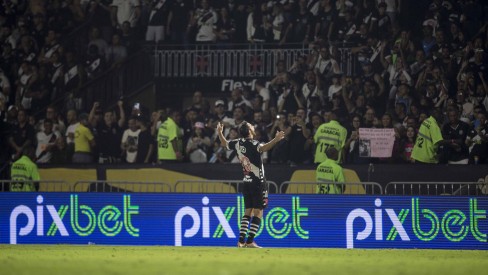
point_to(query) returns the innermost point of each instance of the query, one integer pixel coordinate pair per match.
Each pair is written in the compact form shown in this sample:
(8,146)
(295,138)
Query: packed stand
(412,59)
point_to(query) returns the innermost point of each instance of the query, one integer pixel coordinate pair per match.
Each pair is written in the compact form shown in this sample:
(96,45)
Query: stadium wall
(172,219)
(170,173)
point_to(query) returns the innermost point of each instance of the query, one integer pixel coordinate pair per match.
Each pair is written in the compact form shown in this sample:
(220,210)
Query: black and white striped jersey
(248,153)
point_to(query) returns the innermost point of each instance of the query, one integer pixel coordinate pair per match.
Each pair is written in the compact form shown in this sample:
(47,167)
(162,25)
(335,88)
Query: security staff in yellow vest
(329,172)
(24,172)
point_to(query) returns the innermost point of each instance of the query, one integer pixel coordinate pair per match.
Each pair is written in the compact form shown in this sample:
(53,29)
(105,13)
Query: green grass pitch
(97,259)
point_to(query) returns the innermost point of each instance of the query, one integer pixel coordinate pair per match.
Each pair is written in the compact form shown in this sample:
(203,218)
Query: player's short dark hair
(244,129)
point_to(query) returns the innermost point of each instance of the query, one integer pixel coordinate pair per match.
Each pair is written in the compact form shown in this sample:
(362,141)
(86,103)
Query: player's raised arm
(220,130)
(278,137)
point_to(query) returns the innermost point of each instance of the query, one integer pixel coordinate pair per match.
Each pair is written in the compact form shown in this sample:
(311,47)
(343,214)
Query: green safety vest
(329,171)
(330,134)
(425,148)
(23,173)
(166,133)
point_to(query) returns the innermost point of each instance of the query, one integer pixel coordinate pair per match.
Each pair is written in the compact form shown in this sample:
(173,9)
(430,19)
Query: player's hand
(220,127)
(280,135)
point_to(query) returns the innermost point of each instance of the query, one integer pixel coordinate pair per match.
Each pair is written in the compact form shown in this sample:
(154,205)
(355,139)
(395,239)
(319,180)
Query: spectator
(263,92)
(456,151)
(116,53)
(58,123)
(61,154)
(325,19)
(129,142)
(84,141)
(477,141)
(41,90)
(98,12)
(279,154)
(408,143)
(158,21)
(94,63)
(325,65)
(291,99)
(198,144)
(204,22)
(122,11)
(26,77)
(297,135)
(145,142)
(225,27)
(22,135)
(178,21)
(108,131)
(45,142)
(96,40)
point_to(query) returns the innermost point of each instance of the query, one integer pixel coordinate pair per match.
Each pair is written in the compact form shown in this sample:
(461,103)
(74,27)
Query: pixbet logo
(110,220)
(278,222)
(452,224)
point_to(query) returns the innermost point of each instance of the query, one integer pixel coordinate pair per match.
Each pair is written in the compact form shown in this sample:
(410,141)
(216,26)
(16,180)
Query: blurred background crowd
(414,56)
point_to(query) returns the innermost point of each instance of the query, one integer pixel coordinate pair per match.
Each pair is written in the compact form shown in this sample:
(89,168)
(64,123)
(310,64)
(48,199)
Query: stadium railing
(350,188)
(41,185)
(237,60)
(122,186)
(216,186)
(437,188)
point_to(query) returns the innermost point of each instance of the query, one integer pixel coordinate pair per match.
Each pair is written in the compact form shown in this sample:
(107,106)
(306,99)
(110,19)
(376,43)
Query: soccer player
(330,134)
(24,171)
(429,138)
(255,189)
(328,172)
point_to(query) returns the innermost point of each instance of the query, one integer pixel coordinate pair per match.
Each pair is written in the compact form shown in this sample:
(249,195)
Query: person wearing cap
(198,144)
(84,141)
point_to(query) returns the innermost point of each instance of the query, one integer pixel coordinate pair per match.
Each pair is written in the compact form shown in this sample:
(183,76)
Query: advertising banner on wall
(213,220)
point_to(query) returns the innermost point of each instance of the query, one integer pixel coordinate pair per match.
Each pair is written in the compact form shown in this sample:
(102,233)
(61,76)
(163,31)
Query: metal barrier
(121,186)
(437,188)
(40,185)
(350,188)
(216,186)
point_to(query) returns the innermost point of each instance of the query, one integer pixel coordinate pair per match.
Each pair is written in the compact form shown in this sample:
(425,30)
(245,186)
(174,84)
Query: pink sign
(376,142)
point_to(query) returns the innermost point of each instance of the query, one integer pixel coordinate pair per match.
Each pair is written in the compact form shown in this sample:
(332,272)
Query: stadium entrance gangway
(122,186)
(350,188)
(216,186)
(437,188)
(40,185)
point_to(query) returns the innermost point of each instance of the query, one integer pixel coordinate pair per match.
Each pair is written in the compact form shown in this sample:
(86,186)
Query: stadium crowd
(414,58)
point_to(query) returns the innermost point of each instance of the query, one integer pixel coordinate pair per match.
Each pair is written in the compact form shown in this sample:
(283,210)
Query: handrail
(42,185)
(121,186)
(232,186)
(435,188)
(309,187)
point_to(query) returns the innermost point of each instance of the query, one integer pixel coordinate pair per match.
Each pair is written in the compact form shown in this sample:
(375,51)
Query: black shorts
(255,194)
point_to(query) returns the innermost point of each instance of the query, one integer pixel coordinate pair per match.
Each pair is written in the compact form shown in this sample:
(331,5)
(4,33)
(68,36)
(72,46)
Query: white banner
(376,142)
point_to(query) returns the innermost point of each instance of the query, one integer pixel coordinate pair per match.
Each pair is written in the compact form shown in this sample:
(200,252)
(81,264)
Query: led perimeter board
(332,221)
